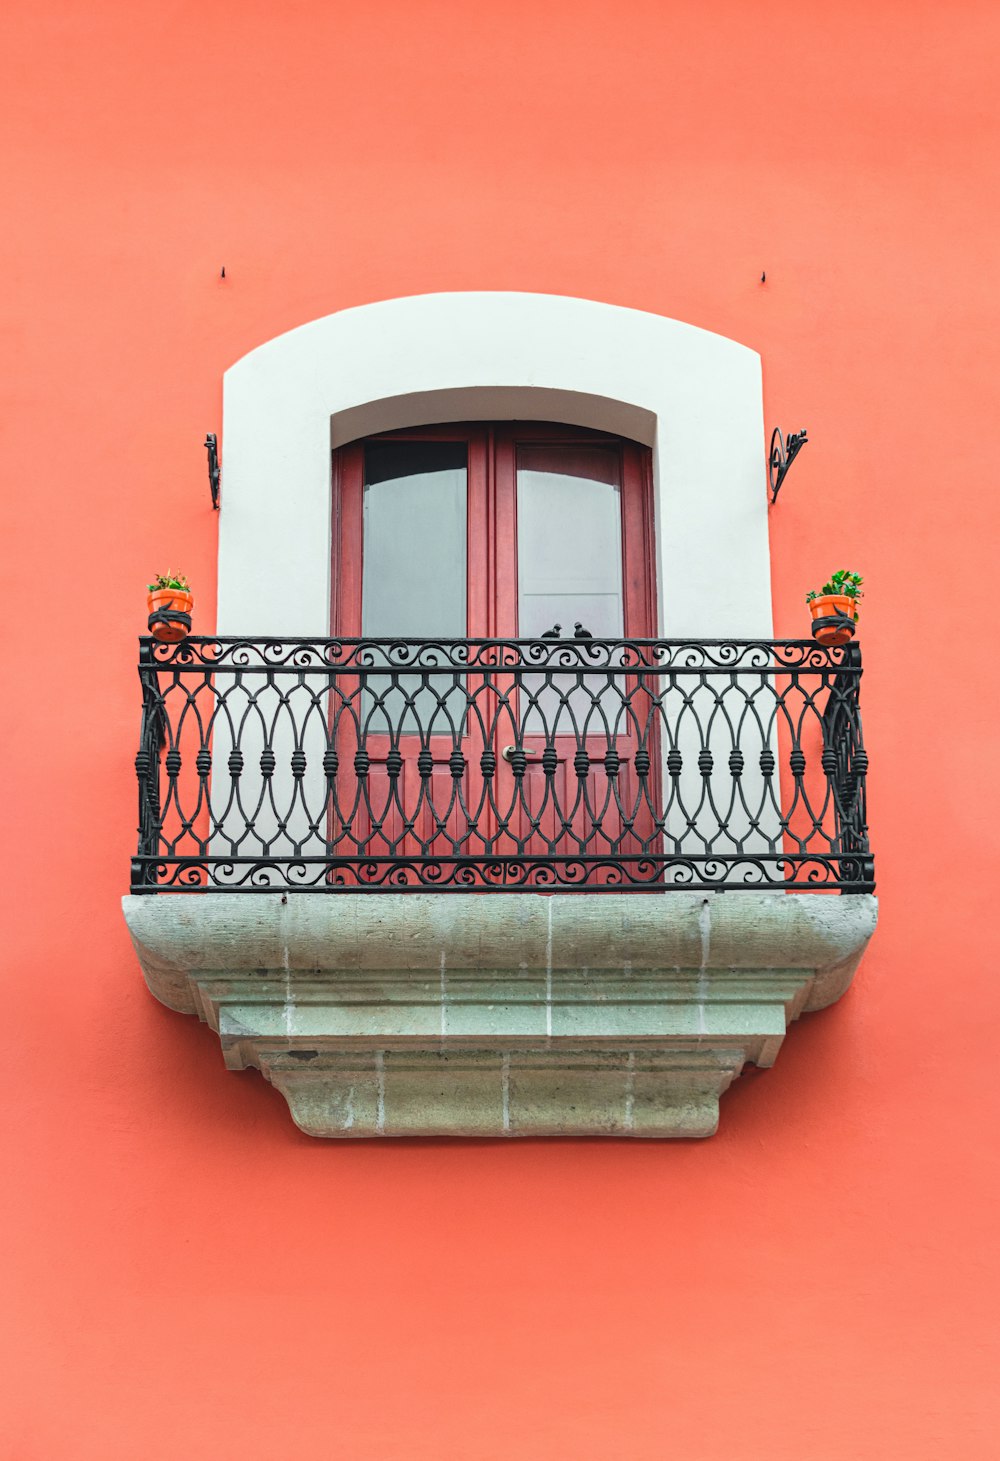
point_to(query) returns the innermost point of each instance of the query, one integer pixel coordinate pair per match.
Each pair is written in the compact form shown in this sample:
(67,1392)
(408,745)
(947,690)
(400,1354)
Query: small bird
(552,633)
(580,633)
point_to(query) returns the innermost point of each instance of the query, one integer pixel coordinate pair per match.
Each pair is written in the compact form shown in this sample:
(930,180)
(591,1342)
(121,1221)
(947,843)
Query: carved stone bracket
(424,1014)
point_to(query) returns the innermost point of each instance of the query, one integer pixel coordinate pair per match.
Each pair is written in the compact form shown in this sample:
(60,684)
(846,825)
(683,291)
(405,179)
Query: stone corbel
(514,1014)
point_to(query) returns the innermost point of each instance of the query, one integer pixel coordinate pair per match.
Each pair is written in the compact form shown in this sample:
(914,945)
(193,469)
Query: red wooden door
(496,532)
(410,536)
(577,563)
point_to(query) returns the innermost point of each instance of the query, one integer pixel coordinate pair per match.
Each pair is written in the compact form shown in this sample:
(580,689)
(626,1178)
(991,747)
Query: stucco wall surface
(188,1276)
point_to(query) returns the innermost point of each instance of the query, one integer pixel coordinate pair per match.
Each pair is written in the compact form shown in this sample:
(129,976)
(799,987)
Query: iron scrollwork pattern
(214,469)
(502,764)
(780,457)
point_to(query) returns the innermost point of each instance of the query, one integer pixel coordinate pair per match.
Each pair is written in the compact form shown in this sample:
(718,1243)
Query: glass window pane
(569,573)
(414,576)
(569,540)
(415,513)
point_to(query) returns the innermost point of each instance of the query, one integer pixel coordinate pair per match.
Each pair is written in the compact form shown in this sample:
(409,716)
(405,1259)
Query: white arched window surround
(694,397)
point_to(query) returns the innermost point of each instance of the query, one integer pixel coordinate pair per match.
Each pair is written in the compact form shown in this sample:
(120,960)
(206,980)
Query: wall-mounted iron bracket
(781,456)
(214,470)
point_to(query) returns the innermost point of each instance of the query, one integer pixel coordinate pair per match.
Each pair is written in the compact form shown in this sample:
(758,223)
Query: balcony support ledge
(514,1014)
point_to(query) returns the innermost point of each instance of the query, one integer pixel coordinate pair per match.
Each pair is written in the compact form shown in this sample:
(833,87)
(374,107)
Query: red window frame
(492,524)
(492,590)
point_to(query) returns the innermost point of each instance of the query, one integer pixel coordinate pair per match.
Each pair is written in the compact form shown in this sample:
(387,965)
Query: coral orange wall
(190,1276)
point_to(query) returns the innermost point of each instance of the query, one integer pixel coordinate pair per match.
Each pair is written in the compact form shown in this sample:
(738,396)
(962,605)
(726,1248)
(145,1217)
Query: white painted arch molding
(693,396)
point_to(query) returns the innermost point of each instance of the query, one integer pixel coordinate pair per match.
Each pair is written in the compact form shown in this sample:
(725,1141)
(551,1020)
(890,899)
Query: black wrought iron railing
(496,765)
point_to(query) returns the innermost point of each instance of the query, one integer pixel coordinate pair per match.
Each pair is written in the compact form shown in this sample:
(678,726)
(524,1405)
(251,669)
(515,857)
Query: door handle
(508,751)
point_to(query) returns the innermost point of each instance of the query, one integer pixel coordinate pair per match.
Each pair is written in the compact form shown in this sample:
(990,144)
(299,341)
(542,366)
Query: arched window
(499,530)
(493,531)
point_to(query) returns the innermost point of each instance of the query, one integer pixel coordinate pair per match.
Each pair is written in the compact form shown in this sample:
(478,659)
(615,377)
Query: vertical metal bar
(147,767)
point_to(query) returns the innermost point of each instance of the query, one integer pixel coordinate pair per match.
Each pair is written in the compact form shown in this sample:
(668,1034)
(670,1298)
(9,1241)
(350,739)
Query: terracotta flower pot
(170,614)
(831,613)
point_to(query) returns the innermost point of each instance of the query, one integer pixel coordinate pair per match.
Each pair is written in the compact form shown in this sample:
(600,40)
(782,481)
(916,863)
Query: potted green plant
(835,607)
(170,603)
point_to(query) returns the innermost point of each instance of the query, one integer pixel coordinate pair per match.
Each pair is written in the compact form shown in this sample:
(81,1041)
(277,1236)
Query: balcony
(645,834)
